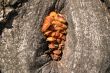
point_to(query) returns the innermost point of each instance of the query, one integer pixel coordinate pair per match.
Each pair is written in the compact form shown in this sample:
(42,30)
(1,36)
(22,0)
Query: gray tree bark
(87,46)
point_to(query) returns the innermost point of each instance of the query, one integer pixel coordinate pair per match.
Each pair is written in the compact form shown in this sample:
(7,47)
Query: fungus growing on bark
(54,29)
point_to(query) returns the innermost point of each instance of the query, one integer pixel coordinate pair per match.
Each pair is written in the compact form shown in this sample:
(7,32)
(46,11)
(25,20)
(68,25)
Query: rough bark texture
(23,46)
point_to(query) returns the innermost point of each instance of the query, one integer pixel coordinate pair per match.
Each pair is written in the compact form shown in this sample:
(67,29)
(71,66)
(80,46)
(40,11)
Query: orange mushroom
(53,14)
(47,23)
(47,33)
(57,23)
(60,18)
(50,39)
(53,34)
(64,32)
(58,28)
(60,36)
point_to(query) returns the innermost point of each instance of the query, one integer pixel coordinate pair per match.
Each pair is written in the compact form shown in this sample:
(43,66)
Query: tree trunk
(23,46)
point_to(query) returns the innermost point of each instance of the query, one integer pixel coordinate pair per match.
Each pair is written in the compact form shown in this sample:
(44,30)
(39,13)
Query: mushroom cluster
(54,28)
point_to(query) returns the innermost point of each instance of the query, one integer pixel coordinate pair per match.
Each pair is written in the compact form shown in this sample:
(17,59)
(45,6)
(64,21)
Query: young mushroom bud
(55,57)
(52,45)
(57,52)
